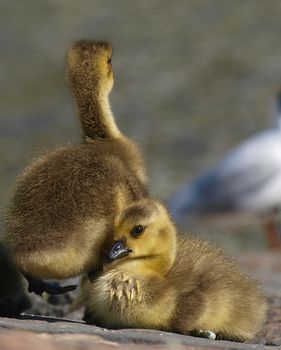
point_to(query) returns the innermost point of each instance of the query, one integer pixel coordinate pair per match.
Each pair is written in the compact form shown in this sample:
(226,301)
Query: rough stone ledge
(63,334)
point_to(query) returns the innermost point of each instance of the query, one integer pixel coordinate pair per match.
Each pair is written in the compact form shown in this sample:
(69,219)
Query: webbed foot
(39,286)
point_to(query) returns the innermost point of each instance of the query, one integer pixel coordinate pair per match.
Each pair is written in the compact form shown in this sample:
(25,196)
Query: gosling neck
(95,114)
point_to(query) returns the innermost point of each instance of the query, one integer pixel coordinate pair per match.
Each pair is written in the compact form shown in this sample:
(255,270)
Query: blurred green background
(193,78)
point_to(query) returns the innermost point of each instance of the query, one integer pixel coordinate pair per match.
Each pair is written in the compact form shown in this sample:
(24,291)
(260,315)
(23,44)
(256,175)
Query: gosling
(65,203)
(156,279)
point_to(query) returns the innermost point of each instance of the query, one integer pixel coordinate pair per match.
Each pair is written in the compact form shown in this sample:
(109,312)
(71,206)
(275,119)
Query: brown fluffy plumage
(167,282)
(66,202)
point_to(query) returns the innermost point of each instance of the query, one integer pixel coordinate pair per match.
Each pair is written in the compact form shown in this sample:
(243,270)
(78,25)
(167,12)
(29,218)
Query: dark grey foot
(204,334)
(39,286)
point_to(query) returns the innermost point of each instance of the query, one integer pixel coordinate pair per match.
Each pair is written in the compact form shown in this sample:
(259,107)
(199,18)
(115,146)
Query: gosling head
(89,64)
(144,239)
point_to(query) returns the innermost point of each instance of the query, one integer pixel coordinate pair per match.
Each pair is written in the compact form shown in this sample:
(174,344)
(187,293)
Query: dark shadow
(47,319)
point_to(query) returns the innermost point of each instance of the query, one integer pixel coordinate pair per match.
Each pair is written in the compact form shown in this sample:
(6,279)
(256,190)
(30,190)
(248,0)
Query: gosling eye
(109,60)
(137,230)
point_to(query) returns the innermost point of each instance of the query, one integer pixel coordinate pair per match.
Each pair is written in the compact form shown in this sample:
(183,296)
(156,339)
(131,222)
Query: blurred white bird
(243,188)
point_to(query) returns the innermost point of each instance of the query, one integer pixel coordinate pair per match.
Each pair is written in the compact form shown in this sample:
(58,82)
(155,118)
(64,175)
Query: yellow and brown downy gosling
(65,203)
(13,299)
(157,279)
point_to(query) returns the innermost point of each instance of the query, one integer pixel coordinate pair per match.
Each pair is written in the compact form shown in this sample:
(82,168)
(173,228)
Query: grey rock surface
(127,336)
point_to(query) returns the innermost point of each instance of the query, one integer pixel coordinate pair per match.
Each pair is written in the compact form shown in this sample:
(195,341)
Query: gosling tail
(91,76)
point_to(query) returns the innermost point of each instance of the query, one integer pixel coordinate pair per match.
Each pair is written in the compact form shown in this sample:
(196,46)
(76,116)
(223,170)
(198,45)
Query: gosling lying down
(157,279)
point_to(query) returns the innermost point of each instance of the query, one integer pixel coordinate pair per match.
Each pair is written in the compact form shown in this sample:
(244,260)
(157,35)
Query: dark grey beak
(118,250)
